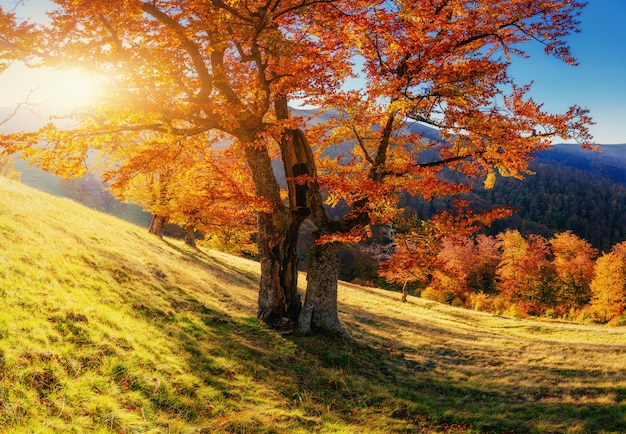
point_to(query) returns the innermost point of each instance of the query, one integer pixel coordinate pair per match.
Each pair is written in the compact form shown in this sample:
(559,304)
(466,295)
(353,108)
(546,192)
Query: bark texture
(320,304)
(278,230)
(278,291)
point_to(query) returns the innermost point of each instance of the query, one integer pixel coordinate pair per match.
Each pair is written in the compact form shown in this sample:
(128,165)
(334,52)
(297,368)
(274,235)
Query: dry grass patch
(525,375)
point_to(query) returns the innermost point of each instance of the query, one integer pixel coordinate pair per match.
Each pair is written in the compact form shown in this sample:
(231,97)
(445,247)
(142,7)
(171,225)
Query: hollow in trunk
(278,292)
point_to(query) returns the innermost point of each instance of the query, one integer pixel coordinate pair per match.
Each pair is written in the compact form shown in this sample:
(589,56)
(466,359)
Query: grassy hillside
(104,328)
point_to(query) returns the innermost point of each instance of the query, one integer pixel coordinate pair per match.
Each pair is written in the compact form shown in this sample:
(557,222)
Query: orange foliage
(511,274)
(188,68)
(190,184)
(608,287)
(442,253)
(444,65)
(573,261)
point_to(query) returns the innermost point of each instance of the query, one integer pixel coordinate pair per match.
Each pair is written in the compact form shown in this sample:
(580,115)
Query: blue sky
(598,83)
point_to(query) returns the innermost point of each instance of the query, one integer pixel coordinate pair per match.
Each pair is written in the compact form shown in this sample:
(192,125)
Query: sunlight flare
(67,89)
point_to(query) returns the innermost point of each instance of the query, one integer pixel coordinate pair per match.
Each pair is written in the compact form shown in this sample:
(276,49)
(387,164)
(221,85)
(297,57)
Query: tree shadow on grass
(356,384)
(473,380)
(317,380)
(239,376)
(375,382)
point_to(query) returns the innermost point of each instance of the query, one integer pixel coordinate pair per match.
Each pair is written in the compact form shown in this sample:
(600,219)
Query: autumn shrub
(617,321)
(457,302)
(444,289)
(549,313)
(553,312)
(481,301)
(530,307)
(588,315)
(613,316)
(515,310)
(500,304)
(438,295)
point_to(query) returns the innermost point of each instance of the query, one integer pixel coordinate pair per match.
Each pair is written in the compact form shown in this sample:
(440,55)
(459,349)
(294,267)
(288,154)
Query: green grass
(106,329)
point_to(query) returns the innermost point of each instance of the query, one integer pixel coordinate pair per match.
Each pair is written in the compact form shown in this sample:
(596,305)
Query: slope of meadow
(104,328)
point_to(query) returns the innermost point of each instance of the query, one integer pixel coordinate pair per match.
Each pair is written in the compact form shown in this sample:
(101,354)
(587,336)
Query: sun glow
(67,90)
(31,97)
(49,90)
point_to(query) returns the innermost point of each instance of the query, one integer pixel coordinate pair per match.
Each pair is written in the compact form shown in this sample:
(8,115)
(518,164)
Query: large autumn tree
(186,69)
(191,67)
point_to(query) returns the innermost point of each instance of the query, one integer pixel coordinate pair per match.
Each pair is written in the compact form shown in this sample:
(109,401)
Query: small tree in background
(608,287)
(436,252)
(187,183)
(7,167)
(409,256)
(482,279)
(573,262)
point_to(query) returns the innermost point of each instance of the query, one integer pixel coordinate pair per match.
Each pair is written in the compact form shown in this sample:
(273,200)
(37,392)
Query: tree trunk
(190,236)
(157,225)
(278,291)
(277,243)
(278,232)
(405,292)
(320,303)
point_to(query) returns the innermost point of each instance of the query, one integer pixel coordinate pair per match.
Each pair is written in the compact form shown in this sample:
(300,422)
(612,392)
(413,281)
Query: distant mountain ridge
(610,163)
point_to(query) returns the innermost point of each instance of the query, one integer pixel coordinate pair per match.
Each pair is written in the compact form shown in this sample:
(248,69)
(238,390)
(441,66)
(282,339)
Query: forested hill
(559,198)
(610,163)
(572,189)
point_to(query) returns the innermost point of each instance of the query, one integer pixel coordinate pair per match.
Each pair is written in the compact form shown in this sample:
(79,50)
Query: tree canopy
(195,70)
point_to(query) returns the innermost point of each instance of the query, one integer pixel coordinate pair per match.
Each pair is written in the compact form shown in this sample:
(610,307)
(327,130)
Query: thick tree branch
(206,79)
(383,146)
(301,5)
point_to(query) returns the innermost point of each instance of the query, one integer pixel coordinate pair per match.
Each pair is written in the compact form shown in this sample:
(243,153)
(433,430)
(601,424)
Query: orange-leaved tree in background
(608,287)
(187,182)
(442,253)
(573,262)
